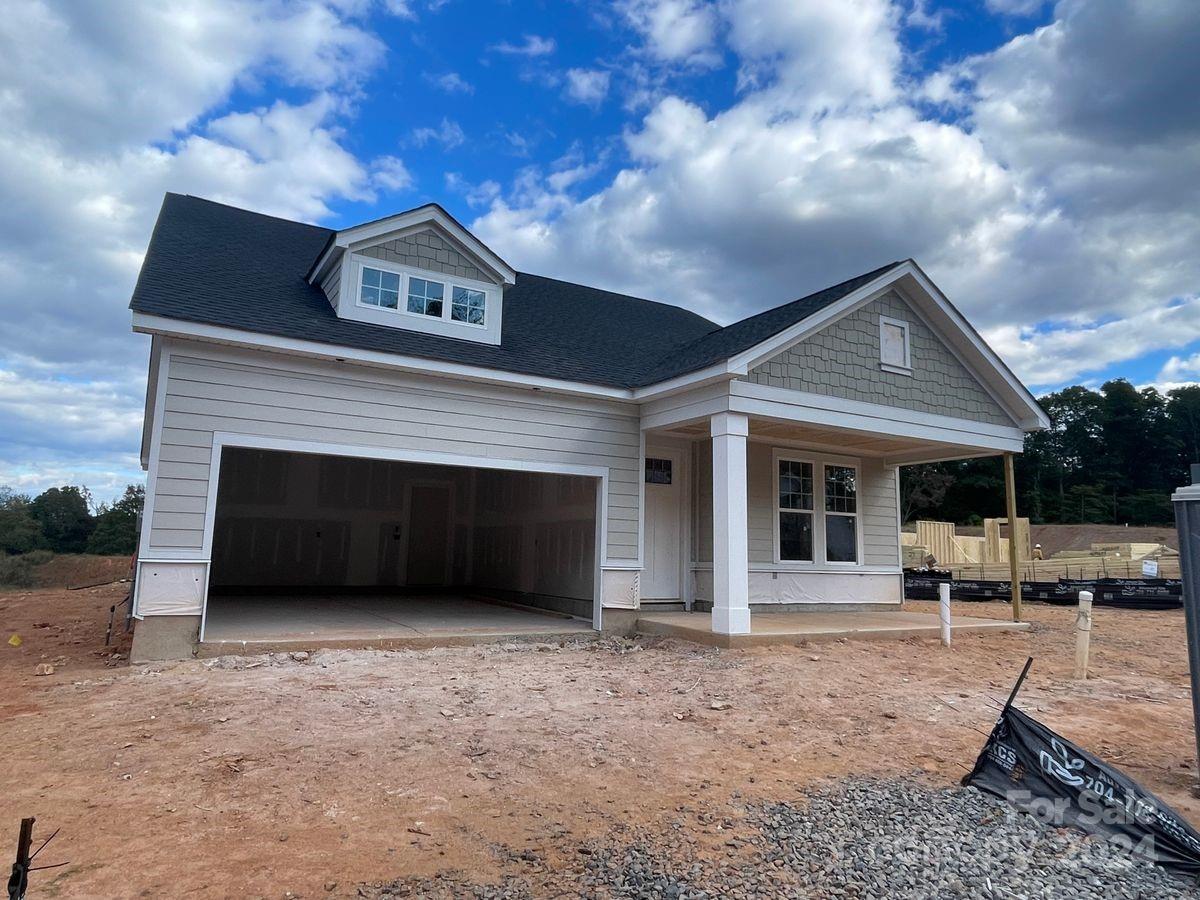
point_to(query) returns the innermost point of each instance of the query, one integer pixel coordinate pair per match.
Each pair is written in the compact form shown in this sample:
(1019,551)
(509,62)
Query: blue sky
(1040,160)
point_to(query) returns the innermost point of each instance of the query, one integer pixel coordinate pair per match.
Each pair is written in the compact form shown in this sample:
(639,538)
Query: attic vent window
(894,353)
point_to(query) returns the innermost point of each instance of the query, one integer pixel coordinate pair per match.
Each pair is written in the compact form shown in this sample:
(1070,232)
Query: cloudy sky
(1040,160)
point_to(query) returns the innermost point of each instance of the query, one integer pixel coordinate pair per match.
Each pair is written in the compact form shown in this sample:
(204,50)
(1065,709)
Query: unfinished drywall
(534,538)
(306,520)
(294,519)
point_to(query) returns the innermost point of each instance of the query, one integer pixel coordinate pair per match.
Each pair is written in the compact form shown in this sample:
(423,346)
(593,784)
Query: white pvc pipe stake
(944,611)
(1083,634)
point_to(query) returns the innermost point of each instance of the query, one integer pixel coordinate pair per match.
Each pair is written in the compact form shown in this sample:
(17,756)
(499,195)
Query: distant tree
(116,526)
(1183,421)
(923,487)
(64,518)
(19,533)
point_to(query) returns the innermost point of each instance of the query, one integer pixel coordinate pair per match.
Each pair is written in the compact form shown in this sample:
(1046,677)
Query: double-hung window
(795,510)
(817,511)
(467,305)
(841,514)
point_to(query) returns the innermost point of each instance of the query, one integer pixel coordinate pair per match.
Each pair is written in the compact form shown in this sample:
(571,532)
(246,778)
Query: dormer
(419,270)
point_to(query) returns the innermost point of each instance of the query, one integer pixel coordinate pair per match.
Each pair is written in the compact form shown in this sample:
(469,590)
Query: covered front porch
(792,514)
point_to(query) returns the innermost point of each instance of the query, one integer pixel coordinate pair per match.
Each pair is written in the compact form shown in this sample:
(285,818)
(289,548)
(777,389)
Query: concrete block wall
(842,360)
(427,250)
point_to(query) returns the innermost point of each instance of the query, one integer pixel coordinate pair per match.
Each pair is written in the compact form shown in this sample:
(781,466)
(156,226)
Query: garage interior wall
(295,520)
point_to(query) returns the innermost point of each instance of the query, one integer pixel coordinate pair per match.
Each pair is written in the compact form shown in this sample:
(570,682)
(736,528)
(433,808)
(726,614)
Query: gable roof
(731,340)
(218,265)
(426,214)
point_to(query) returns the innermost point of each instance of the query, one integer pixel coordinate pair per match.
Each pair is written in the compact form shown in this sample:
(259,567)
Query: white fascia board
(151,409)
(709,375)
(234,337)
(1034,417)
(936,455)
(681,415)
(833,412)
(420,216)
(743,362)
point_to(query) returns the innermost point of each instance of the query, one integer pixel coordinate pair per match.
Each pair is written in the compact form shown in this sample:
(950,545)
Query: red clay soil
(77,570)
(309,778)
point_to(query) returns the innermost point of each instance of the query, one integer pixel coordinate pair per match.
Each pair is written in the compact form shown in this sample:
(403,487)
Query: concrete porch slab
(814,627)
(257,624)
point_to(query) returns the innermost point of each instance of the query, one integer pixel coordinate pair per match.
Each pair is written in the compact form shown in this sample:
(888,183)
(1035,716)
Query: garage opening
(328,549)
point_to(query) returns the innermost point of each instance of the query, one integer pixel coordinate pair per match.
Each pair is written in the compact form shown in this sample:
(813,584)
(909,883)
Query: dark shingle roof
(220,265)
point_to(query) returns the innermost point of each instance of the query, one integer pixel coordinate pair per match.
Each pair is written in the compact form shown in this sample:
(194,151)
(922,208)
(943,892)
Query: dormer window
(416,271)
(380,288)
(425,297)
(468,306)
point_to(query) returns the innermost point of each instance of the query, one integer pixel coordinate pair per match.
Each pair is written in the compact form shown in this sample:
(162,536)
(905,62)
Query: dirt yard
(311,778)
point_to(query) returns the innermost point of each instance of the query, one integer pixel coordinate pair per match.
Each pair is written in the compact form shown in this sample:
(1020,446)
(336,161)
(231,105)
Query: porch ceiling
(839,440)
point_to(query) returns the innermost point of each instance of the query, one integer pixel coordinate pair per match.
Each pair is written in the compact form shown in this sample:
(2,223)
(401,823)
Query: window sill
(896,370)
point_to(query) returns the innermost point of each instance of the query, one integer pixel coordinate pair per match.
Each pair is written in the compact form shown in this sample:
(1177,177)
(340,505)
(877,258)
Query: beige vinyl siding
(877,506)
(210,390)
(880,525)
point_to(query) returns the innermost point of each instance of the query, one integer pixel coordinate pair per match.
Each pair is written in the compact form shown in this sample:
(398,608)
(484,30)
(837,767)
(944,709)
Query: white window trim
(896,369)
(448,285)
(780,510)
(818,462)
(444,325)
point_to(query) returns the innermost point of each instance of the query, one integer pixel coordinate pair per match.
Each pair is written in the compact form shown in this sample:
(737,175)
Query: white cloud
(450,82)
(475,194)
(449,134)
(390,173)
(530,45)
(587,86)
(1060,216)
(923,15)
(1016,7)
(105,109)
(675,31)
(1180,370)
(818,55)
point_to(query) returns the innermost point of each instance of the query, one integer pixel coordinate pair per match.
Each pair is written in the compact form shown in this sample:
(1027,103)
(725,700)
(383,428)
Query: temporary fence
(1124,593)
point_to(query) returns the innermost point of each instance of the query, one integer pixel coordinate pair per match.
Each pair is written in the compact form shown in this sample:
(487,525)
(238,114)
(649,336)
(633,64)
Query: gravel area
(860,839)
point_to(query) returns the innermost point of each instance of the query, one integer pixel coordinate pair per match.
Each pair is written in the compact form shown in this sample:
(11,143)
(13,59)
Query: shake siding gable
(211,390)
(842,360)
(428,249)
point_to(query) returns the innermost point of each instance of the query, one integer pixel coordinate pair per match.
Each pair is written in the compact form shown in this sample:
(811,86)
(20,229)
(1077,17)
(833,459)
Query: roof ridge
(252,212)
(592,287)
(653,375)
(833,287)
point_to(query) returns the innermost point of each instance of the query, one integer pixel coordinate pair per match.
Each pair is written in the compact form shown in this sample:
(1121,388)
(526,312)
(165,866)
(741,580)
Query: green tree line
(62,520)
(1110,456)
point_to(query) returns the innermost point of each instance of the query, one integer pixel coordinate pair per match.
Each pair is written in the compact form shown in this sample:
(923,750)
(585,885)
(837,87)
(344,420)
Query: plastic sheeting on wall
(170,588)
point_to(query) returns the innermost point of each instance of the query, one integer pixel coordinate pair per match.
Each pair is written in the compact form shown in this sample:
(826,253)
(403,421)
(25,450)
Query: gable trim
(907,278)
(422,215)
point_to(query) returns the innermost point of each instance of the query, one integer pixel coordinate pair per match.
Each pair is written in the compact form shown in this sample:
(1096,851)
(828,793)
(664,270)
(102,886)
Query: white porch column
(731,555)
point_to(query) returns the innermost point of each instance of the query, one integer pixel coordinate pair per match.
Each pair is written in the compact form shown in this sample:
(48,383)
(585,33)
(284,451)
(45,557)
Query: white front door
(661,577)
